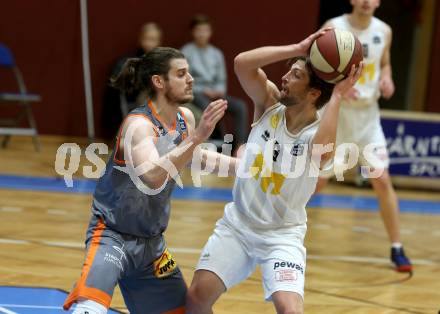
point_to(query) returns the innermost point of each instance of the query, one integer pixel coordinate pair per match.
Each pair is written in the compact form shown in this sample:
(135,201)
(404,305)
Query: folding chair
(21,98)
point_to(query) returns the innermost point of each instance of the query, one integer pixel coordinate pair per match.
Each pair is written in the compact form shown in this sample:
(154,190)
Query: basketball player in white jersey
(266,222)
(359,119)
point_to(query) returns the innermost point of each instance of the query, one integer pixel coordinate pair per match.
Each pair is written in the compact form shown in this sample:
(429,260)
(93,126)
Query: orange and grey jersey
(122,200)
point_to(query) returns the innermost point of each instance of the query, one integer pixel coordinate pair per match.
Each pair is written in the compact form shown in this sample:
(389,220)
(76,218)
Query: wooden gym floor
(348,271)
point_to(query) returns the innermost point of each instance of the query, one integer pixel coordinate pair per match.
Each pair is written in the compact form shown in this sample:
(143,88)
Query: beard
(289,101)
(172,97)
(293,98)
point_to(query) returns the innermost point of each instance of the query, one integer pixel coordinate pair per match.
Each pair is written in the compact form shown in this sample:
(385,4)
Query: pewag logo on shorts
(287,271)
(288,265)
(164,265)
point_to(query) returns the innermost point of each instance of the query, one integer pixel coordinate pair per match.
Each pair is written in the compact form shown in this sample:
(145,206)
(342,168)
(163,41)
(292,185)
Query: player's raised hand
(304,46)
(212,114)
(344,86)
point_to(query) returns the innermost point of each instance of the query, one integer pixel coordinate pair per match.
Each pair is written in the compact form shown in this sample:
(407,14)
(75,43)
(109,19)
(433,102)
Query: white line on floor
(365,259)
(64,244)
(11,209)
(436,233)
(12,241)
(361,229)
(196,251)
(47,307)
(185,250)
(320,226)
(6,311)
(57,212)
(406,231)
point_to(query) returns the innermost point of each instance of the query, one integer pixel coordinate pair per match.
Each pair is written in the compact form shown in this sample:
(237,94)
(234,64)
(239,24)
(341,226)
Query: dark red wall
(433,98)
(45,38)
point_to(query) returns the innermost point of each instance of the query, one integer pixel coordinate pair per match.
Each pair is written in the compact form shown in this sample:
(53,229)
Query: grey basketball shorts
(147,274)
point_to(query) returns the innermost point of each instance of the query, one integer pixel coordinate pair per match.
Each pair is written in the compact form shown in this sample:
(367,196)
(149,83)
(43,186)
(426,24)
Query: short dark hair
(315,82)
(199,19)
(136,73)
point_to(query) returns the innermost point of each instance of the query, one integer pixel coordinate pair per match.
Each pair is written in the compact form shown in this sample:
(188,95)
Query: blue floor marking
(215,194)
(206,194)
(371,204)
(46,184)
(27,300)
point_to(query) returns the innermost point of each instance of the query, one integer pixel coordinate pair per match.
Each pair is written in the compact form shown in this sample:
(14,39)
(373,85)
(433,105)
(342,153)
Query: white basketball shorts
(233,254)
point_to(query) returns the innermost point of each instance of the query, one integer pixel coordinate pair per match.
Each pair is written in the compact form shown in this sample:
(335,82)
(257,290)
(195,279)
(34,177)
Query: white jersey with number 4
(373,40)
(276,176)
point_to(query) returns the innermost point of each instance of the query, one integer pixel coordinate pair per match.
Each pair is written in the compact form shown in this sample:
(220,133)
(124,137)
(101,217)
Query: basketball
(333,54)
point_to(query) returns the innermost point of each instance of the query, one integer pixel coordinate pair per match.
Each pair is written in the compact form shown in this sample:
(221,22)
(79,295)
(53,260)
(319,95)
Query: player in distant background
(266,222)
(359,119)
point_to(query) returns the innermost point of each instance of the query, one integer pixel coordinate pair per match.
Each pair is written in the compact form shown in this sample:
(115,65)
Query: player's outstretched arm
(155,170)
(210,159)
(326,133)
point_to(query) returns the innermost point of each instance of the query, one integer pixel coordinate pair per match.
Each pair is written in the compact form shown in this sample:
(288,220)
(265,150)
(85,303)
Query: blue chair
(21,98)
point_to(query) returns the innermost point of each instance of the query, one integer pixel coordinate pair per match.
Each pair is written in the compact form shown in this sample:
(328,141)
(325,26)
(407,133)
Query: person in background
(207,66)
(359,117)
(117,103)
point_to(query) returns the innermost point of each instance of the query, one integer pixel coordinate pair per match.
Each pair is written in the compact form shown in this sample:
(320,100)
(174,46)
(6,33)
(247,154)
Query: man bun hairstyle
(136,73)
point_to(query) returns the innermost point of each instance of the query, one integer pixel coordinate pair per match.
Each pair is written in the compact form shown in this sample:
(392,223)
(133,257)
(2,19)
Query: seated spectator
(207,66)
(117,105)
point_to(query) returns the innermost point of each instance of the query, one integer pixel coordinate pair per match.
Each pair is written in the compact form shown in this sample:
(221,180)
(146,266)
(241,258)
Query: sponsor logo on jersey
(276,151)
(376,40)
(161,130)
(274,119)
(164,265)
(298,148)
(265,135)
(182,123)
(365,50)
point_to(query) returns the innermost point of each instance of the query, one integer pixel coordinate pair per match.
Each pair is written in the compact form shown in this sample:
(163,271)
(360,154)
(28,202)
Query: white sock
(89,307)
(396,245)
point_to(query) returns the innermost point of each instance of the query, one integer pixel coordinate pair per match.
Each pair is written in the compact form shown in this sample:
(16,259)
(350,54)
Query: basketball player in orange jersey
(359,120)
(131,204)
(266,222)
